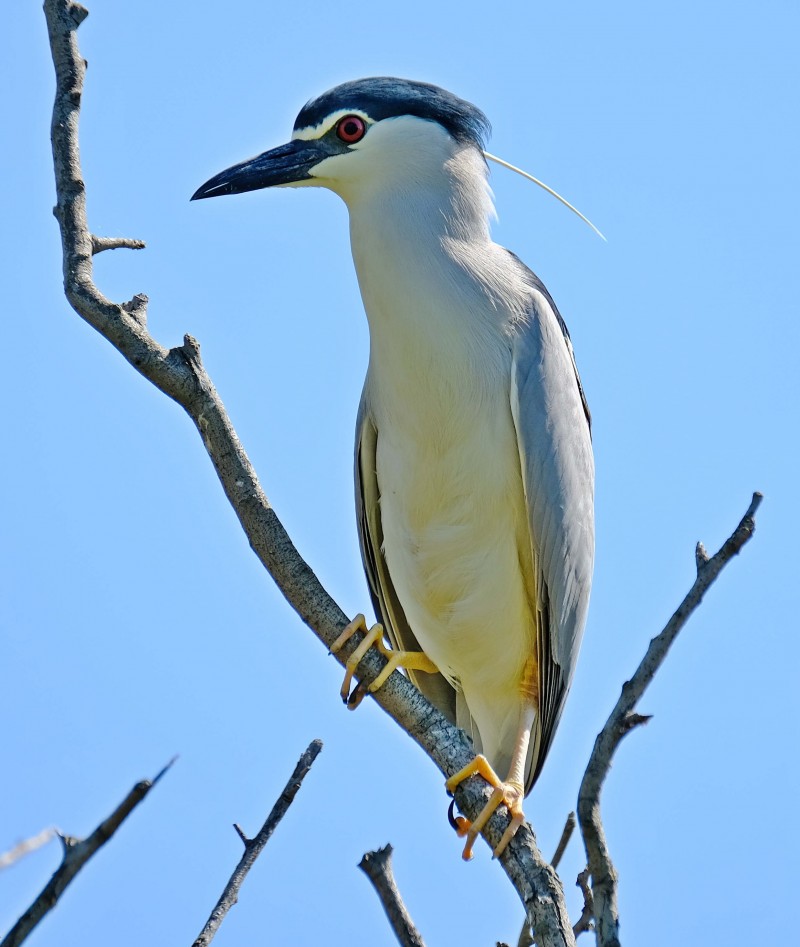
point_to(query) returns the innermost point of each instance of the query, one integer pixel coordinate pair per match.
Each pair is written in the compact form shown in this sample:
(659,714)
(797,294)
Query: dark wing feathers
(388,609)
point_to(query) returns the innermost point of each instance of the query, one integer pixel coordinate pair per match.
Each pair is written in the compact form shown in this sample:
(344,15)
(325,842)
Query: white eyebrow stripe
(312,132)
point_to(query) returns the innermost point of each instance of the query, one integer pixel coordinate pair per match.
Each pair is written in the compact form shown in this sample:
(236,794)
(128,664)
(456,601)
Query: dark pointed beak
(286,164)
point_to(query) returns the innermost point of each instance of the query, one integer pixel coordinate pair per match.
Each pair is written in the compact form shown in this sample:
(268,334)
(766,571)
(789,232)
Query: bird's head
(360,136)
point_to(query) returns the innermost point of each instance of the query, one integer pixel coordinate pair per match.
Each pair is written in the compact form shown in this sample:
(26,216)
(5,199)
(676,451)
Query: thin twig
(566,835)
(254,847)
(377,866)
(115,243)
(76,853)
(586,921)
(180,374)
(623,719)
(25,846)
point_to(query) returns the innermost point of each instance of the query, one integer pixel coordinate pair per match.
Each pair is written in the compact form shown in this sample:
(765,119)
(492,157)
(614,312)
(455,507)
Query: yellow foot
(511,793)
(413,660)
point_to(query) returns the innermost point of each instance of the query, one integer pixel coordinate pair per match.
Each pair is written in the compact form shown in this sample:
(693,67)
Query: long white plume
(530,177)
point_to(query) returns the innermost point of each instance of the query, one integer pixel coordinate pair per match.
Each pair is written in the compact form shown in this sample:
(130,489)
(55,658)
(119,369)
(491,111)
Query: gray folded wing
(553,434)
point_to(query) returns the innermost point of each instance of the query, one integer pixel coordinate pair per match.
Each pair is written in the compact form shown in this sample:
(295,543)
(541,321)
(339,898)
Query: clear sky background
(136,622)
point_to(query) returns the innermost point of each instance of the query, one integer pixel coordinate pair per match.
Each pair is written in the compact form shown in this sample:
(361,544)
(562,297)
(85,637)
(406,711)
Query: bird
(474,471)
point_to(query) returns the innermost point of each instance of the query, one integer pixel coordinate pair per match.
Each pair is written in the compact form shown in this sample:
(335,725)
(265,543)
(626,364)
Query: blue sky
(137,624)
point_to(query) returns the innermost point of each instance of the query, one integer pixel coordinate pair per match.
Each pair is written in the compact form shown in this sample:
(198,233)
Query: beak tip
(205,191)
(286,164)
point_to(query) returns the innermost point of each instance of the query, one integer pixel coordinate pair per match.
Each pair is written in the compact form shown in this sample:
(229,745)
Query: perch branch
(377,866)
(76,853)
(525,938)
(253,847)
(623,719)
(179,373)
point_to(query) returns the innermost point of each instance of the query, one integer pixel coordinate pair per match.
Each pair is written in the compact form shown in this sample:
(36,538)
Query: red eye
(351,129)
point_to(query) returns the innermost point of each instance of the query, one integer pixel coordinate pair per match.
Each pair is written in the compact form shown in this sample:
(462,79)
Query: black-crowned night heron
(474,470)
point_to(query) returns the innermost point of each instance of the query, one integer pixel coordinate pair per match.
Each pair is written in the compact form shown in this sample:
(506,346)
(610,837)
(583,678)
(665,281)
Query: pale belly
(456,542)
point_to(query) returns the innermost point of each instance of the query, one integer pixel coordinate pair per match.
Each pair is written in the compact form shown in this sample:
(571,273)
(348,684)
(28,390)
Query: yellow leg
(512,790)
(413,660)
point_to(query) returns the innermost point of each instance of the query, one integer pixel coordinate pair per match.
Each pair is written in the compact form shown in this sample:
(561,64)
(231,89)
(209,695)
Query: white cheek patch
(312,132)
(329,169)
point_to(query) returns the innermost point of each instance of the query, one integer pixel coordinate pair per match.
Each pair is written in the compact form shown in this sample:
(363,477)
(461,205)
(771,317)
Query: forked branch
(623,720)
(254,846)
(76,853)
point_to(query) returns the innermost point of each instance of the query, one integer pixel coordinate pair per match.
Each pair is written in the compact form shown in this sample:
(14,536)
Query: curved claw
(373,635)
(360,691)
(459,823)
(509,793)
(414,660)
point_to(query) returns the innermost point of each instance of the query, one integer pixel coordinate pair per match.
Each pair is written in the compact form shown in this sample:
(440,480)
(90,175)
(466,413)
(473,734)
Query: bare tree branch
(76,853)
(25,846)
(377,866)
(179,373)
(253,847)
(623,719)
